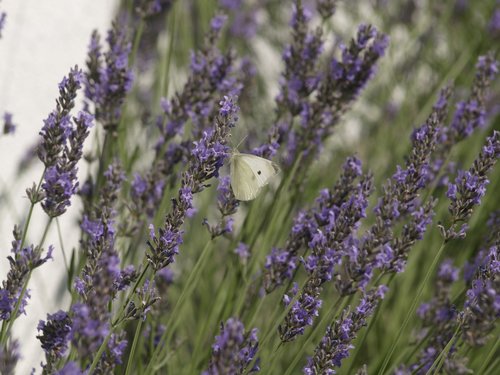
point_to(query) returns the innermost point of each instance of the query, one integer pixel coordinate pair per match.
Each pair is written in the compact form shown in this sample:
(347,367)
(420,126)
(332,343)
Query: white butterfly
(249,174)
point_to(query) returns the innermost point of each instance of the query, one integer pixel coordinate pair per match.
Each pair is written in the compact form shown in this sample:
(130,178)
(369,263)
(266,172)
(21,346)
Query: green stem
(439,361)
(129,297)
(45,231)
(175,317)
(116,322)
(488,358)
(411,311)
(30,213)
(59,235)
(7,324)
(100,352)
(133,348)
(265,227)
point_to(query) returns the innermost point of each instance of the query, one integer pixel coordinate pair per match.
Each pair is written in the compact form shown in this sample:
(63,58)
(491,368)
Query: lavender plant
(323,272)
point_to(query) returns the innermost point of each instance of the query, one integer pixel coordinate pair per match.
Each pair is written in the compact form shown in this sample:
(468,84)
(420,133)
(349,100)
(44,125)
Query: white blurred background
(40,42)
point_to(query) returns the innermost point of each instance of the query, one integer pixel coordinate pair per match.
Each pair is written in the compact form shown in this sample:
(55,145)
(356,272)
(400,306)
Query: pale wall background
(41,41)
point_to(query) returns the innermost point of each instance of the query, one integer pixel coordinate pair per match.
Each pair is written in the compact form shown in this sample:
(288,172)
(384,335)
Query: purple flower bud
(233,349)
(55,335)
(218,22)
(8,126)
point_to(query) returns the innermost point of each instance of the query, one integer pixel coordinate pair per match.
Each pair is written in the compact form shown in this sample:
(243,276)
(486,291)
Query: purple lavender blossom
(302,312)
(22,263)
(443,321)
(70,368)
(8,126)
(281,263)
(233,350)
(100,279)
(55,336)
(439,319)
(494,25)
(108,78)
(243,23)
(9,356)
(335,225)
(242,251)
(212,75)
(3,18)
(149,8)
(471,114)
(59,188)
(59,179)
(470,186)
(482,302)
(319,98)
(146,193)
(326,8)
(207,157)
(299,79)
(227,205)
(57,126)
(380,247)
(341,84)
(336,343)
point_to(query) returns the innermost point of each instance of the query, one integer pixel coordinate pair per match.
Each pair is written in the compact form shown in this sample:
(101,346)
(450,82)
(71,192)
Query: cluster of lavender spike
(207,157)
(227,205)
(282,263)
(213,74)
(22,262)
(88,322)
(444,322)
(108,78)
(335,222)
(336,343)
(470,114)
(319,99)
(470,186)
(234,350)
(381,247)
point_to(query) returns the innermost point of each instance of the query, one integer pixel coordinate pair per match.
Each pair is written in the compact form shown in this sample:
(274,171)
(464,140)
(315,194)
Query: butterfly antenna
(239,144)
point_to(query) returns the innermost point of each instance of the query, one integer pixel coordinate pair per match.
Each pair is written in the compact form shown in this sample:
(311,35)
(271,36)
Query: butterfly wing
(249,173)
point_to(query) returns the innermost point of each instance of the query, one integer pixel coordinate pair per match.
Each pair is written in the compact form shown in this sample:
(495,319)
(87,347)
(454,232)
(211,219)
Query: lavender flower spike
(109,80)
(207,157)
(281,263)
(470,186)
(55,337)
(9,356)
(60,180)
(233,350)
(336,343)
(57,126)
(339,223)
(22,261)
(471,114)
(482,303)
